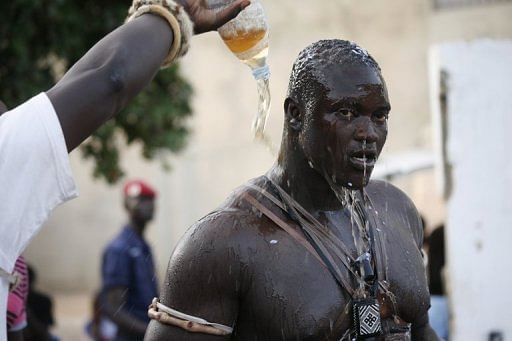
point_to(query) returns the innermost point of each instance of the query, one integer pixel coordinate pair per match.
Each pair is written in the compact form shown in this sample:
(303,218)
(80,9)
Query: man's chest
(293,294)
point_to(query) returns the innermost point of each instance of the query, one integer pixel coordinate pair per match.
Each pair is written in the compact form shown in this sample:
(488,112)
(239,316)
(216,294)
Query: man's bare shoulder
(396,205)
(214,252)
(230,225)
(380,190)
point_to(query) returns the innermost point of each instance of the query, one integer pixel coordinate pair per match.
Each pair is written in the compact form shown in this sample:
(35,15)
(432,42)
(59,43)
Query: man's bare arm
(203,280)
(103,81)
(119,66)
(421,329)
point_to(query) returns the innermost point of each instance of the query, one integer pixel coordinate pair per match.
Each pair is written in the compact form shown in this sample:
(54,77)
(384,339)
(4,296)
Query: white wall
(479,224)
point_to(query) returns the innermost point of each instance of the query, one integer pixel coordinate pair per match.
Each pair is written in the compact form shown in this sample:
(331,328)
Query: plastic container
(247,36)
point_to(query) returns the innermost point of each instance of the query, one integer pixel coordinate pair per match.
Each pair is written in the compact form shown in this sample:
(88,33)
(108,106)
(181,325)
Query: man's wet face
(346,130)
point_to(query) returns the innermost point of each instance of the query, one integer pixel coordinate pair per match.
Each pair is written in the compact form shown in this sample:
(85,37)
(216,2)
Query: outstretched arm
(119,66)
(102,82)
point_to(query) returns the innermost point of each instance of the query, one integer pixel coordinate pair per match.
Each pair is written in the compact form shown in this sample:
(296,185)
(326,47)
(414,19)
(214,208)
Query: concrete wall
(478,233)
(221,154)
(477,227)
(471,22)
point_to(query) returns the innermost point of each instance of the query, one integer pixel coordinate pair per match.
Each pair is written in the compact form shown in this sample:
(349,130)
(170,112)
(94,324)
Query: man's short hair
(304,79)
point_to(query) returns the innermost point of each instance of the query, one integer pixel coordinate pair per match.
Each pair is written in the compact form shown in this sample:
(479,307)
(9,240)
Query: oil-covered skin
(238,268)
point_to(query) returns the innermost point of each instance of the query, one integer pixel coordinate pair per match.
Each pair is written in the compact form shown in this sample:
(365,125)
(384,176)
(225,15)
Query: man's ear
(293,114)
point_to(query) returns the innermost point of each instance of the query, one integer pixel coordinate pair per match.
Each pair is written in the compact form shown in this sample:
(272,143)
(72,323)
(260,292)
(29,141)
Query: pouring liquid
(251,47)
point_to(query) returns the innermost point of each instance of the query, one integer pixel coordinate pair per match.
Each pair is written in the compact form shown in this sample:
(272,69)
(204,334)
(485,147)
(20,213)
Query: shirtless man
(255,267)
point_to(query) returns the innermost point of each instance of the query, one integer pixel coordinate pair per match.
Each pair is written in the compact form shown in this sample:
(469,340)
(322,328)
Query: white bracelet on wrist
(177,18)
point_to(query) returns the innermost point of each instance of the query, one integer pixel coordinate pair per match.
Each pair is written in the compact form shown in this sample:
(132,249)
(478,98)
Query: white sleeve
(35,174)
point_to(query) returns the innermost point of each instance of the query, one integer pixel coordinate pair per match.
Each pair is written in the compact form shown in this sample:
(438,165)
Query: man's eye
(381,116)
(345,113)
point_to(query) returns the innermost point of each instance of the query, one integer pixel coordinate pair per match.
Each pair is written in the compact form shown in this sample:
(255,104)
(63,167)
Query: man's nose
(365,130)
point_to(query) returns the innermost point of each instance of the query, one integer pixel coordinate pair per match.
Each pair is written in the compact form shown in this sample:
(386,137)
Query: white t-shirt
(35,177)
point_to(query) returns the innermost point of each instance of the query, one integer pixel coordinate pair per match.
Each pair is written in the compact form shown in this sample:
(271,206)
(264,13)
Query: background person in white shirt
(35,137)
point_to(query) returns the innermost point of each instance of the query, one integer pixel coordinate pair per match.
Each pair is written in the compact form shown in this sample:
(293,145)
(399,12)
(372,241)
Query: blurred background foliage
(40,39)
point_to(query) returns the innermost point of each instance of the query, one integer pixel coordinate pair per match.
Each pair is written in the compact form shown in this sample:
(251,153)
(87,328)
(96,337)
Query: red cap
(138,188)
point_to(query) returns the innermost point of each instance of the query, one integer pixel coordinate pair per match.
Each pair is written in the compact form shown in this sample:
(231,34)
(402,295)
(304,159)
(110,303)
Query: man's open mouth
(363,158)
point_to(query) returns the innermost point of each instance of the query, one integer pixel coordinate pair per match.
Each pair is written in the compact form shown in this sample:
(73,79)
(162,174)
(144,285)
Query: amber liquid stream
(239,44)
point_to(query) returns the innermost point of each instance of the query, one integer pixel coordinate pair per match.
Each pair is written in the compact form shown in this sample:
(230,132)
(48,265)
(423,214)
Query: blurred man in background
(128,271)
(39,312)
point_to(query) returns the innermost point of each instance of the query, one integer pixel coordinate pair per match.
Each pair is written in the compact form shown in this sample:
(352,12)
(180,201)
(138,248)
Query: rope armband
(163,314)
